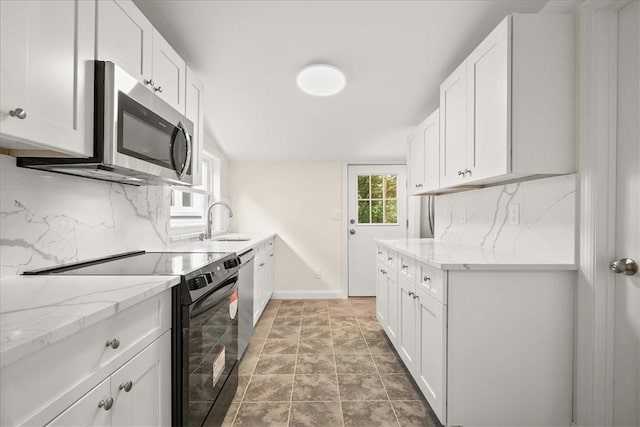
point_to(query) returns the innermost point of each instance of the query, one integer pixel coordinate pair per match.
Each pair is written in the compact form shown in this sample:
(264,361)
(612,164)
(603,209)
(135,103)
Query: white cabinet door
(141,389)
(270,275)
(416,162)
(194,111)
(46,61)
(431,137)
(407,318)
(382,296)
(393,316)
(431,361)
(259,279)
(453,127)
(86,412)
(169,73)
(125,37)
(488,112)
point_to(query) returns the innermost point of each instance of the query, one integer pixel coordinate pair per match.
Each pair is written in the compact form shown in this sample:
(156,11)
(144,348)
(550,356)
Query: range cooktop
(140,263)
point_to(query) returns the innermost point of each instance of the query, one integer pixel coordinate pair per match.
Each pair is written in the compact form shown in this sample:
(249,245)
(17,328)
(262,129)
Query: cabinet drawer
(433,282)
(391,259)
(61,373)
(407,267)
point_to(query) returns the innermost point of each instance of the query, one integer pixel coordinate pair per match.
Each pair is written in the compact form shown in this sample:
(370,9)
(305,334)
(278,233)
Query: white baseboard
(317,294)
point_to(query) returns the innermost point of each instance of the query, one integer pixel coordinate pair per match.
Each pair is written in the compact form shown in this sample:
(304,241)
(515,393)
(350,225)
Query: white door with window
(377,201)
(626,360)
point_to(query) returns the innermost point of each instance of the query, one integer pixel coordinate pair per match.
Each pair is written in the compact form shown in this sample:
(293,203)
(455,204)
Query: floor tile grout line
(335,362)
(295,367)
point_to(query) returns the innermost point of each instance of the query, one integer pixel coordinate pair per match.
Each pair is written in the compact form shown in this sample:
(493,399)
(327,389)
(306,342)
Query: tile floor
(324,363)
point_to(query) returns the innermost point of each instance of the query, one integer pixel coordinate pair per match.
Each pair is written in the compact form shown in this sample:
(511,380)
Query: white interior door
(377,199)
(626,361)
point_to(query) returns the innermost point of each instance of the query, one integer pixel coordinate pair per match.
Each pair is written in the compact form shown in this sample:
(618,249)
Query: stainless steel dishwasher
(245,304)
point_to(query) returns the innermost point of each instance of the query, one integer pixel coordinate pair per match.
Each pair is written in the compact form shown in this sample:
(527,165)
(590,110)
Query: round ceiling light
(321,80)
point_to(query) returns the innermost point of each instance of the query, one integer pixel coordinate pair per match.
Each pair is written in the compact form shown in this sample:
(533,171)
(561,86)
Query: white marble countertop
(213,245)
(447,256)
(36,311)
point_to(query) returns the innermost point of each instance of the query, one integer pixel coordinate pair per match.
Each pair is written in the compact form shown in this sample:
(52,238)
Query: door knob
(126,386)
(626,266)
(352,231)
(114,343)
(19,113)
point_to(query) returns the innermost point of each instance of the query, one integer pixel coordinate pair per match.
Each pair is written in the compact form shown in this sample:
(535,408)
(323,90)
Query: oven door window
(211,351)
(146,136)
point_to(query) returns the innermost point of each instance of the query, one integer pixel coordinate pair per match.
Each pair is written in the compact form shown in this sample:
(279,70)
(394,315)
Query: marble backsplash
(49,219)
(546,224)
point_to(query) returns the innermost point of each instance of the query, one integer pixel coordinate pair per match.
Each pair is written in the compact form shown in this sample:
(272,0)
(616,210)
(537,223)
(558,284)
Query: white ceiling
(395,54)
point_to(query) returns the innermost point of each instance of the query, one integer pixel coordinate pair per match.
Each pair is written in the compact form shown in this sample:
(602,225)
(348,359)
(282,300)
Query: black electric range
(204,324)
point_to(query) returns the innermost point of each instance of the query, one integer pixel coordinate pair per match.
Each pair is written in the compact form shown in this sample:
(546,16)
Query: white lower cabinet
(485,347)
(429,369)
(407,331)
(86,411)
(137,394)
(263,278)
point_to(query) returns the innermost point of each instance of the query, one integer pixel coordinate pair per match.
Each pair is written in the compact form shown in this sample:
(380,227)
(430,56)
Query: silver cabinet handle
(126,386)
(19,113)
(389,258)
(626,266)
(261,265)
(405,266)
(426,279)
(415,296)
(383,271)
(460,173)
(106,404)
(114,343)
(466,171)
(158,89)
(411,294)
(379,253)
(270,255)
(149,82)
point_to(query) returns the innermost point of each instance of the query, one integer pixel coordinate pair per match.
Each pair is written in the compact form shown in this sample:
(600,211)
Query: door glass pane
(364,211)
(377,212)
(391,212)
(376,186)
(363,186)
(390,186)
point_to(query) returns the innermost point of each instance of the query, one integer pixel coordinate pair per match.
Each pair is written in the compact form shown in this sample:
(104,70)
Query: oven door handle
(217,295)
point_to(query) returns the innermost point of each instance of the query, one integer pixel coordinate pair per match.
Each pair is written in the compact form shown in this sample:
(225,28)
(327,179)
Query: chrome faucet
(207,235)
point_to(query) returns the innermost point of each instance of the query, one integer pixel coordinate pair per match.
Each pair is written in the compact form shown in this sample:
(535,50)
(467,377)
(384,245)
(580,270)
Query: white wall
(296,200)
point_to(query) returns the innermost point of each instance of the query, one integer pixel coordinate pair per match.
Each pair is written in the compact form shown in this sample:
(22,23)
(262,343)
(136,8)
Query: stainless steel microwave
(139,139)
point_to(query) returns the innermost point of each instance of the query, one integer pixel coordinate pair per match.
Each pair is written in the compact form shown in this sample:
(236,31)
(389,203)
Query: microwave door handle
(189,147)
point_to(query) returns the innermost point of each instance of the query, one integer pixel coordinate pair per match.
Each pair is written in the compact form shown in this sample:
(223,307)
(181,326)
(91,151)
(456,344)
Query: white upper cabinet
(169,73)
(508,111)
(194,111)
(127,38)
(424,156)
(46,54)
(453,127)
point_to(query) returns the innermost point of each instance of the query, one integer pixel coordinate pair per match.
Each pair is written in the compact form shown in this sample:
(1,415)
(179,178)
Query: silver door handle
(352,231)
(126,386)
(626,266)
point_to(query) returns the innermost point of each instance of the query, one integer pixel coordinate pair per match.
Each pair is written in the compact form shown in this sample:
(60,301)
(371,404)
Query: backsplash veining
(50,219)
(547,218)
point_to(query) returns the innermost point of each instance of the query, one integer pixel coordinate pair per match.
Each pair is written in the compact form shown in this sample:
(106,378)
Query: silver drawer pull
(411,294)
(126,386)
(383,271)
(19,113)
(460,173)
(379,253)
(106,404)
(149,82)
(415,296)
(271,255)
(426,279)
(158,89)
(114,343)
(389,258)
(405,266)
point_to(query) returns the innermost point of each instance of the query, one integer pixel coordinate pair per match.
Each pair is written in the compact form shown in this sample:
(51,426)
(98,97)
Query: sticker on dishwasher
(233,305)
(218,366)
